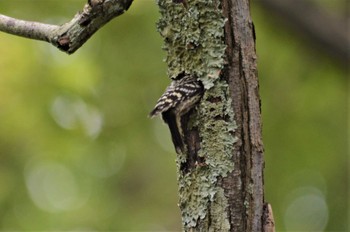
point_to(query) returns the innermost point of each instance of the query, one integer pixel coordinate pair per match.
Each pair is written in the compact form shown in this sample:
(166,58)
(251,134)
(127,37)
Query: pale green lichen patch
(219,222)
(216,125)
(193,38)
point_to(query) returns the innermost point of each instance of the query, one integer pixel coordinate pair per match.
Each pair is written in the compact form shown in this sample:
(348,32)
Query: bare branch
(72,35)
(27,29)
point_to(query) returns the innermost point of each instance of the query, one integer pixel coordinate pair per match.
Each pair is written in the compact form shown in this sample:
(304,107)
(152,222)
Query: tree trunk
(244,90)
(221,175)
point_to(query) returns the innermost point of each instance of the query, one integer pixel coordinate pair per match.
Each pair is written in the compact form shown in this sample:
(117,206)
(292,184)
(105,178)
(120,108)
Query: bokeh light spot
(71,113)
(307,212)
(52,187)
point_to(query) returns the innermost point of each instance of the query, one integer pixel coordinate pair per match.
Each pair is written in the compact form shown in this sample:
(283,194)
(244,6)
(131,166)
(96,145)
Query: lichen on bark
(194,41)
(198,188)
(193,38)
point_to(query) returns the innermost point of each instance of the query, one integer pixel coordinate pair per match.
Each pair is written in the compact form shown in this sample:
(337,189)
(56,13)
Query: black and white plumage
(178,99)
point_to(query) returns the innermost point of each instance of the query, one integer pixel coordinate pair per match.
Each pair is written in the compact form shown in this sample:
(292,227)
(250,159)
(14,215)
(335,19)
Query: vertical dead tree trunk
(248,156)
(221,175)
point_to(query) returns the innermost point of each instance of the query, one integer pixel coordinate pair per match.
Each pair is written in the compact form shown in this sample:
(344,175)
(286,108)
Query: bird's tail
(170,119)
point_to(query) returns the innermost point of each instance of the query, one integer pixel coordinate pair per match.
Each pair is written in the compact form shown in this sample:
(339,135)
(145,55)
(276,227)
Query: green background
(78,152)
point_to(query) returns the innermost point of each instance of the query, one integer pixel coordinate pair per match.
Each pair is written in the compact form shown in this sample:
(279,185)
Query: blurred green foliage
(78,152)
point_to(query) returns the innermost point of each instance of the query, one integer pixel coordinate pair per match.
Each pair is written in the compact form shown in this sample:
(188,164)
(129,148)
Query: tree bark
(244,91)
(221,174)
